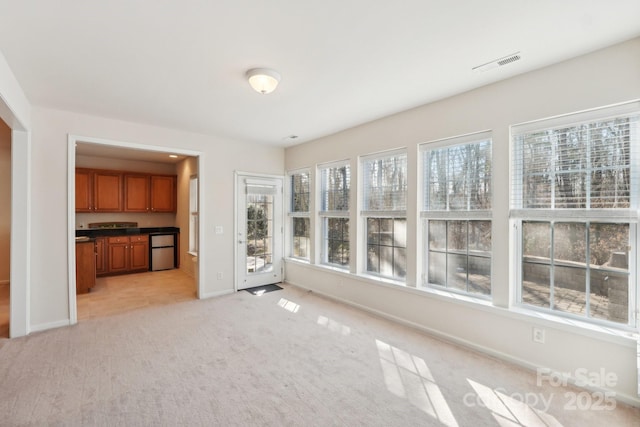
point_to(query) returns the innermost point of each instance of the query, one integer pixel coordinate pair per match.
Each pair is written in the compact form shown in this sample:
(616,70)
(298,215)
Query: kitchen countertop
(121,231)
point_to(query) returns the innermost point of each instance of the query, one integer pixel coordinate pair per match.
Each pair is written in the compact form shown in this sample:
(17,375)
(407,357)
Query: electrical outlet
(219,275)
(538,335)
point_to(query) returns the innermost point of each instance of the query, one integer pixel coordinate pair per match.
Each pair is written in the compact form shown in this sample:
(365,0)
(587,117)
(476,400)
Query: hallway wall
(5,201)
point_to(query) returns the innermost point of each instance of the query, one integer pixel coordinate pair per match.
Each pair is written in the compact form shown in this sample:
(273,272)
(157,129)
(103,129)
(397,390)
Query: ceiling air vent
(498,62)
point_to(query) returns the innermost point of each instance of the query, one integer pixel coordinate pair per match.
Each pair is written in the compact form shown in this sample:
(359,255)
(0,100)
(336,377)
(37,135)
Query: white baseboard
(216,294)
(620,397)
(50,325)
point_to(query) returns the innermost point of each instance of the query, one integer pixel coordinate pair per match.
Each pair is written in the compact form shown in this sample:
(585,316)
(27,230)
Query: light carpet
(284,358)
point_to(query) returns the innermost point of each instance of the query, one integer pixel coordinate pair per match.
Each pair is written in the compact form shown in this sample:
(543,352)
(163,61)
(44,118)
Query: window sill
(385,280)
(458,296)
(569,324)
(627,338)
(298,260)
(335,268)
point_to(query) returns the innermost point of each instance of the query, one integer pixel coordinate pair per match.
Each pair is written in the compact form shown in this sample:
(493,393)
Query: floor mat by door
(259,290)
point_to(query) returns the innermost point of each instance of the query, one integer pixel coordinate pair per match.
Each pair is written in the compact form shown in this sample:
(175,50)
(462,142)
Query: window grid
(299,213)
(387,247)
(384,214)
(334,212)
(336,232)
(580,269)
(457,191)
(574,199)
(459,255)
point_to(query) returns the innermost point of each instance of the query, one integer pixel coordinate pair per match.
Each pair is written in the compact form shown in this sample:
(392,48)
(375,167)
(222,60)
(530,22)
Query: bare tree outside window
(385,204)
(299,213)
(583,171)
(334,211)
(457,178)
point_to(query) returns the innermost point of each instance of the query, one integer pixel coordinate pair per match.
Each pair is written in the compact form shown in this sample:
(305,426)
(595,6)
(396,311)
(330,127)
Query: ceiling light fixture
(263,80)
(173,156)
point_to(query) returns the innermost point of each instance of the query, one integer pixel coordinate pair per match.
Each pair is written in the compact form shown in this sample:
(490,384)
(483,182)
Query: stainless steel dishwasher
(163,251)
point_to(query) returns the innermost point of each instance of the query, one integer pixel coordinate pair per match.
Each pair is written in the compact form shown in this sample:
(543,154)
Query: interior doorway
(124,292)
(5,227)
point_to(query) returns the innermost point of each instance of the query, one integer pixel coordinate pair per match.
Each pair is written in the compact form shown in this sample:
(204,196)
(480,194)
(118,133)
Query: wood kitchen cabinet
(139,259)
(85,266)
(127,254)
(98,191)
(150,193)
(163,193)
(101,263)
(84,190)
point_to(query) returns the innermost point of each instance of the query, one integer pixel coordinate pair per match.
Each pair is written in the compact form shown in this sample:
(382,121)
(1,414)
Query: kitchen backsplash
(143,219)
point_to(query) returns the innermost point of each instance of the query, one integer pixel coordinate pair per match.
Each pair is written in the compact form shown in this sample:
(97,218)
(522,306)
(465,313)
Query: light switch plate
(219,229)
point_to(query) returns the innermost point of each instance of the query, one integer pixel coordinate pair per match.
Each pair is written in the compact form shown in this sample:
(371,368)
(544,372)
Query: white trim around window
(574,209)
(456,215)
(334,213)
(300,200)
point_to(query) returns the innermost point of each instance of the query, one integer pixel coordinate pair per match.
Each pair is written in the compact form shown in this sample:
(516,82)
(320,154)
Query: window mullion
(588,170)
(588,270)
(552,173)
(552,270)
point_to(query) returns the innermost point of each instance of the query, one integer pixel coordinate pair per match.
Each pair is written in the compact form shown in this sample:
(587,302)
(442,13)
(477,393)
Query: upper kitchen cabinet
(84,190)
(150,193)
(163,193)
(136,193)
(107,191)
(98,191)
(118,191)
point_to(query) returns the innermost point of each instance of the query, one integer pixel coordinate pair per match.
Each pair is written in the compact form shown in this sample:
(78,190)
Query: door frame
(236,226)
(71,219)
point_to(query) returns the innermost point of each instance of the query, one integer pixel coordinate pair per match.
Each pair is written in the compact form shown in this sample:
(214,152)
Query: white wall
(601,78)
(14,106)
(15,111)
(5,201)
(49,260)
(185,169)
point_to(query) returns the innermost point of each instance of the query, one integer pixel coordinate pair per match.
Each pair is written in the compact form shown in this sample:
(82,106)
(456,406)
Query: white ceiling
(181,64)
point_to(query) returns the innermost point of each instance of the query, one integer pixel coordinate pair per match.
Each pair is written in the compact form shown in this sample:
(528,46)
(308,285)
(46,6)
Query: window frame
(194,219)
(449,215)
(576,215)
(298,214)
(325,214)
(393,214)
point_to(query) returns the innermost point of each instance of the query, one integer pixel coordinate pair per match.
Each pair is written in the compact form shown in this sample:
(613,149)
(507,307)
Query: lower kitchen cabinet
(85,266)
(139,259)
(127,254)
(101,252)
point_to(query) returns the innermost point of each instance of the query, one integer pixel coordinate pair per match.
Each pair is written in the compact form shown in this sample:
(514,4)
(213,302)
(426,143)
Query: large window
(334,212)
(456,213)
(575,201)
(384,203)
(299,213)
